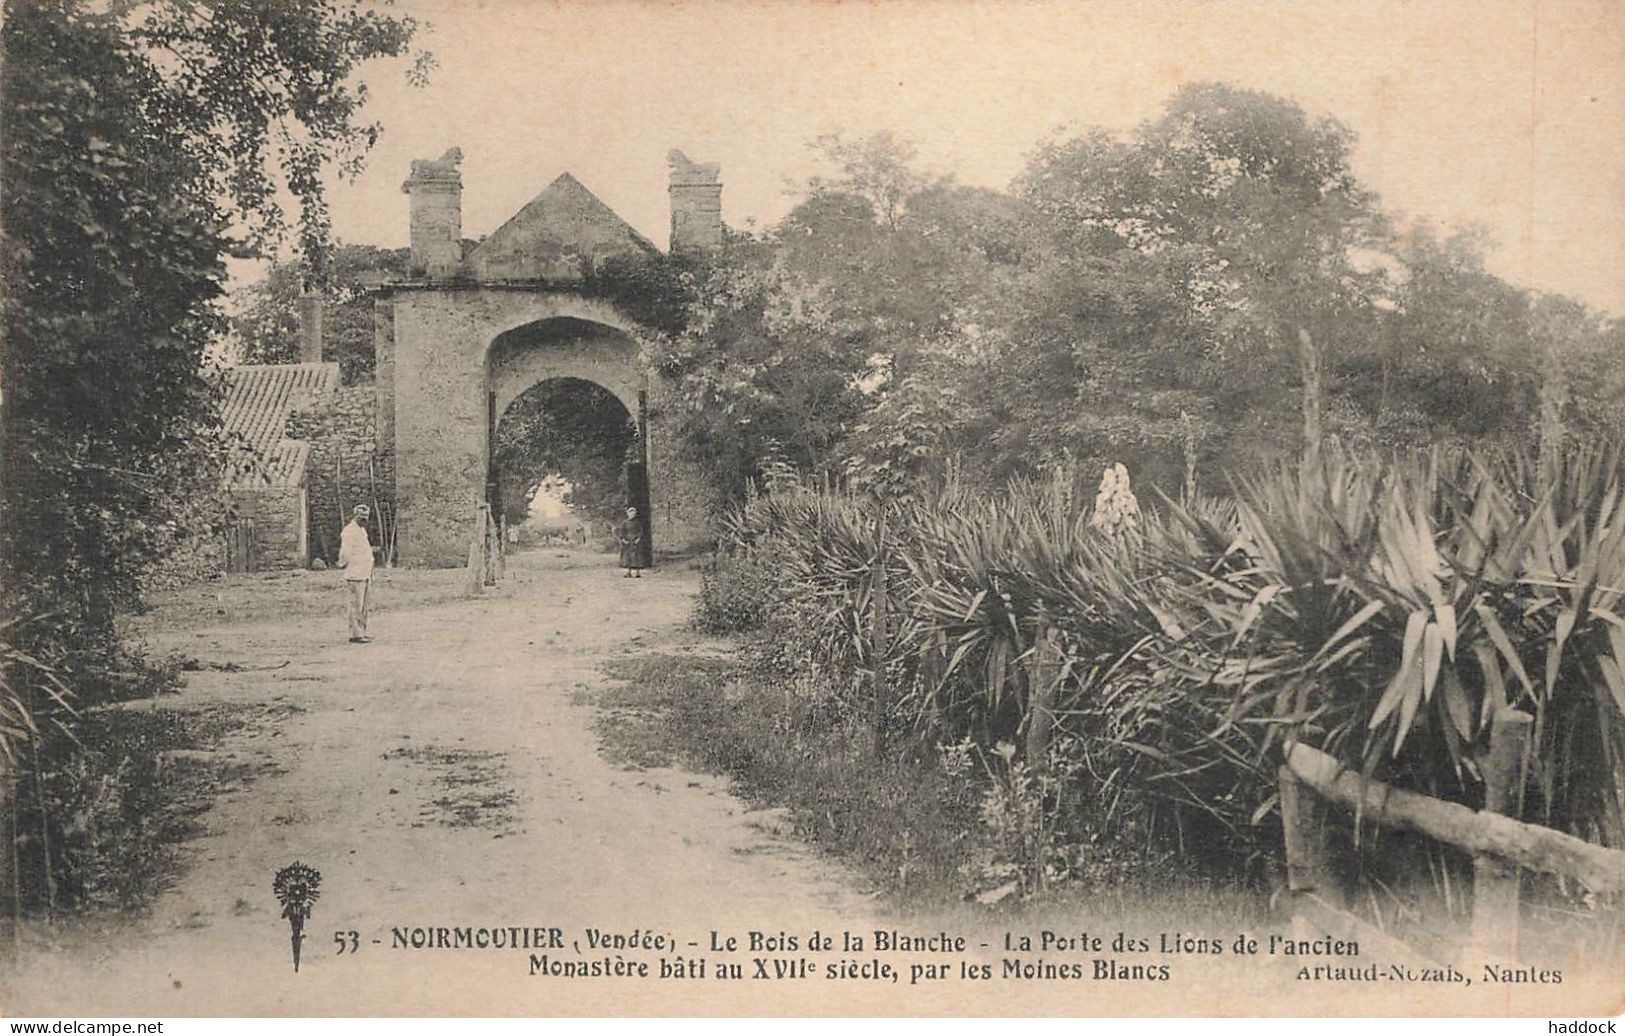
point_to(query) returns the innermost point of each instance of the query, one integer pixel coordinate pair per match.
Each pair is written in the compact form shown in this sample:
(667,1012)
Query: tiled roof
(285,466)
(258,400)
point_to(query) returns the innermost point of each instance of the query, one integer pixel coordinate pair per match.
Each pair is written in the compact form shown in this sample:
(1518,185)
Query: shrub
(734,595)
(1381,608)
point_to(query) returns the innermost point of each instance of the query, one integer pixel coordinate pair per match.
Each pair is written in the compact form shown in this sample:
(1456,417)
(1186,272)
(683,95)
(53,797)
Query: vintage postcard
(809,508)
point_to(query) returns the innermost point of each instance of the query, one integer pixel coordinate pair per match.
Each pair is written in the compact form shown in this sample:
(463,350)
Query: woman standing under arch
(630,535)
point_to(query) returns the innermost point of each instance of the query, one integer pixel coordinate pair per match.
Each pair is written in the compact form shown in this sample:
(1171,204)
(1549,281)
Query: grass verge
(102,828)
(925,832)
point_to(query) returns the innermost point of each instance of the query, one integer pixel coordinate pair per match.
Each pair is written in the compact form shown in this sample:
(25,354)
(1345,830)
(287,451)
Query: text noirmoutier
(933,957)
(514,937)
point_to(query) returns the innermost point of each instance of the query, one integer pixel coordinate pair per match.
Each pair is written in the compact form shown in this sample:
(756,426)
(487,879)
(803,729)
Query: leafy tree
(1569,342)
(1596,382)
(1208,291)
(1450,357)
(112,257)
(822,343)
(266,325)
(879,170)
(265,95)
(763,370)
(570,429)
(1230,221)
(142,144)
(136,141)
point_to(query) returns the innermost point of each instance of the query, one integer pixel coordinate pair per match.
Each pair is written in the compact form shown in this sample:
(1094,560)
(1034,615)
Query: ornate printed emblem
(296,887)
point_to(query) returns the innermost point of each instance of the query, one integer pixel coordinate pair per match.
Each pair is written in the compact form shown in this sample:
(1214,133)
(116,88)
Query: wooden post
(493,547)
(486,574)
(1308,855)
(643,496)
(1314,396)
(476,552)
(879,643)
(1495,880)
(501,528)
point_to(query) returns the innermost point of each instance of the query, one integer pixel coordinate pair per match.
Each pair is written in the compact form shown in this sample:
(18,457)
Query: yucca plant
(1381,608)
(1385,609)
(27,683)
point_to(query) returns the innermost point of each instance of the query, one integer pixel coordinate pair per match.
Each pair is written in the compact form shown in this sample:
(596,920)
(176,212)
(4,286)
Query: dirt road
(445,775)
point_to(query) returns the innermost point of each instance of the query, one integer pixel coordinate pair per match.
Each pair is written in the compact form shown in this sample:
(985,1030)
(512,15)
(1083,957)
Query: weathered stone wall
(561,234)
(344,467)
(383,346)
(277,514)
(696,203)
(440,379)
(436,190)
(681,499)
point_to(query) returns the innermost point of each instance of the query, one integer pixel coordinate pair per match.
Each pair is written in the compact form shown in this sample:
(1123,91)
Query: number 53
(348,942)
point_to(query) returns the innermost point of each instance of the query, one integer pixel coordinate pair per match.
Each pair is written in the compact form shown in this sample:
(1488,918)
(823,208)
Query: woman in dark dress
(630,535)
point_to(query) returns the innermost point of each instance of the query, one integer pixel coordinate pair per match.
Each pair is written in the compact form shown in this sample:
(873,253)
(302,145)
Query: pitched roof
(554,235)
(258,400)
(283,467)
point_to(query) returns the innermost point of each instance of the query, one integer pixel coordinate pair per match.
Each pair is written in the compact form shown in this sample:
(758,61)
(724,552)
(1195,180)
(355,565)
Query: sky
(1502,113)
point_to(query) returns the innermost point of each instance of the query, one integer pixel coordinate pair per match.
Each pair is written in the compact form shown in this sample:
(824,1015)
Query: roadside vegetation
(1381,608)
(144,145)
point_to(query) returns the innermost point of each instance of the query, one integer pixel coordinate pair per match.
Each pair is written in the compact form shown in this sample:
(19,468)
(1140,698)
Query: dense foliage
(142,145)
(1209,292)
(112,260)
(1381,608)
(567,429)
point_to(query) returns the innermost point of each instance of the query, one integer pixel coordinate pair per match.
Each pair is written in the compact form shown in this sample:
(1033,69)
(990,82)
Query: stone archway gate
(469,331)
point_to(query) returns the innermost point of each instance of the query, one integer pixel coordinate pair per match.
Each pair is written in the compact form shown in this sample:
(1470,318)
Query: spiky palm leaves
(1382,609)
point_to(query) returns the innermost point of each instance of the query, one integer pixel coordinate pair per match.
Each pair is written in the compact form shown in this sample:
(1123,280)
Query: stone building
(466,335)
(342,469)
(268,521)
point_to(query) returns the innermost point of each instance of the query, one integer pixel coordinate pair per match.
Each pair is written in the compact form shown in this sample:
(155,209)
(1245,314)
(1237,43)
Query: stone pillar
(310,327)
(440,386)
(436,190)
(696,203)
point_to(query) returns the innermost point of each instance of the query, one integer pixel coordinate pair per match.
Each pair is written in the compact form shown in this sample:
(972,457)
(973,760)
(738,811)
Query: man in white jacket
(355,558)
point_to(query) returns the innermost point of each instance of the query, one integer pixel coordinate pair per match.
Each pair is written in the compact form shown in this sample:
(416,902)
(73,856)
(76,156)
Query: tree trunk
(1553,394)
(880,644)
(1314,393)
(1188,442)
(10,892)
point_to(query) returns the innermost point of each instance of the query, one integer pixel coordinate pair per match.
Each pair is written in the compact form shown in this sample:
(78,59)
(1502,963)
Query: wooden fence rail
(1311,779)
(1527,845)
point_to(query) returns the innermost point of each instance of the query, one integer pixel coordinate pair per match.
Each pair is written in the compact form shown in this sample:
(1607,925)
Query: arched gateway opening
(564,402)
(469,330)
(563,441)
(451,360)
